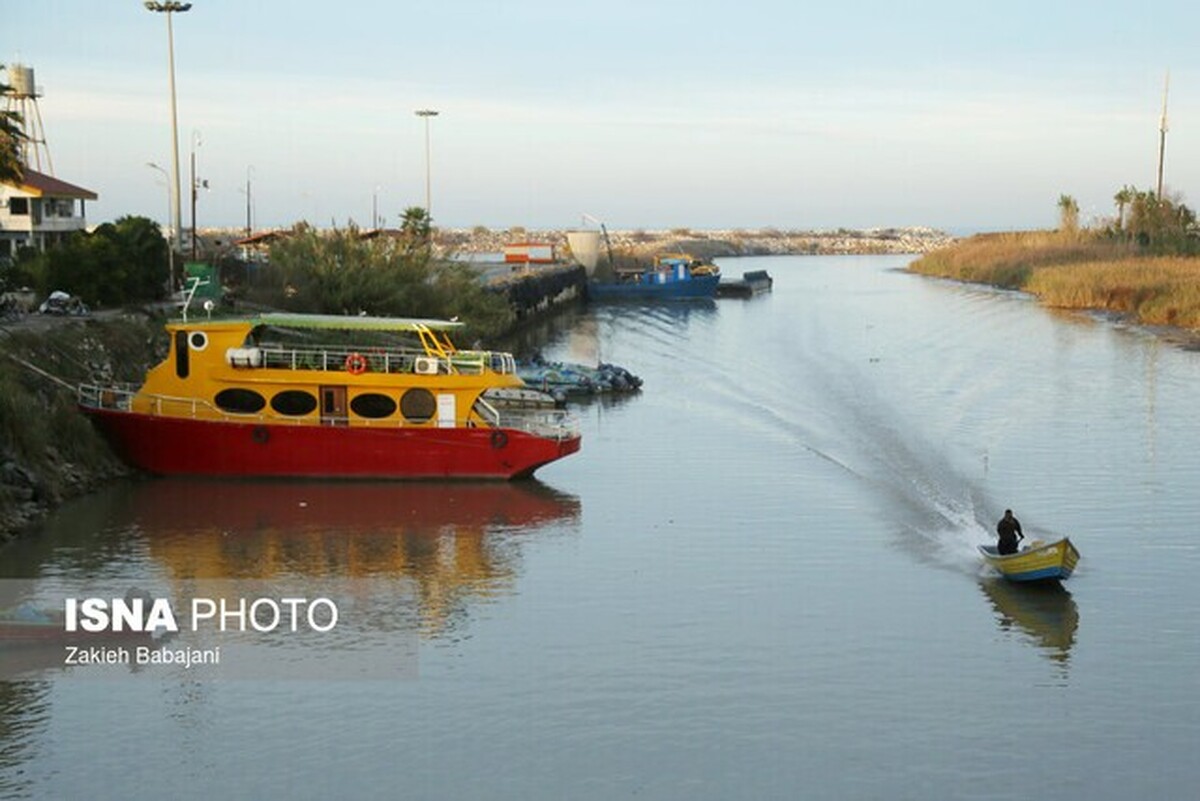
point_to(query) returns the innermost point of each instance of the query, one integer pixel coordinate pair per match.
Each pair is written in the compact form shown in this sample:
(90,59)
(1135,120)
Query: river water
(758,578)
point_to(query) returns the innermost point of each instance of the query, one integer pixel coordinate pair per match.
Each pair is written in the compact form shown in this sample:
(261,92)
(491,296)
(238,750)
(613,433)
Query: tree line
(343,272)
(340,271)
(118,263)
(1157,225)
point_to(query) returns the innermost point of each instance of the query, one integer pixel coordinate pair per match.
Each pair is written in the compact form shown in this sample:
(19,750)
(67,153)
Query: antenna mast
(1162,135)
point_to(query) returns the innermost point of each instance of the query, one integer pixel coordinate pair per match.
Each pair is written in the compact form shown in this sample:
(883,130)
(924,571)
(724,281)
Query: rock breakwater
(710,244)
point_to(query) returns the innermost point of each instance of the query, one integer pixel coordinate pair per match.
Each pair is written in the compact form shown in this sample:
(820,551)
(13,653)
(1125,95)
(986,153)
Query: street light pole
(427,113)
(169,8)
(170,245)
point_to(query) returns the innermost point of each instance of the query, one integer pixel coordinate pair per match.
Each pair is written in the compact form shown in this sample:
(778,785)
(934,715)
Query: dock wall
(533,291)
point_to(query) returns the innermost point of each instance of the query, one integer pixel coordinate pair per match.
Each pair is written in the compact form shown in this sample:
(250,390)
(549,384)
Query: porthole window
(240,401)
(418,405)
(372,405)
(294,402)
(198,340)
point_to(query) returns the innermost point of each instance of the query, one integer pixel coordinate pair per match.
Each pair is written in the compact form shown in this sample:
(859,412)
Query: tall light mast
(172,7)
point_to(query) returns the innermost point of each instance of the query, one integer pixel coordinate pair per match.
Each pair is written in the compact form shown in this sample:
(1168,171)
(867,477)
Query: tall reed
(1077,271)
(1155,291)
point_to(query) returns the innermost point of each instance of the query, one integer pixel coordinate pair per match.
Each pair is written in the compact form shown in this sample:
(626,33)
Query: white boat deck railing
(547,423)
(371,360)
(118,397)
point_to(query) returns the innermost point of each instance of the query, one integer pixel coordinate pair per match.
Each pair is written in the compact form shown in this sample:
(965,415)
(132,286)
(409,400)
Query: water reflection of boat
(34,637)
(1046,613)
(173,505)
(30,660)
(453,541)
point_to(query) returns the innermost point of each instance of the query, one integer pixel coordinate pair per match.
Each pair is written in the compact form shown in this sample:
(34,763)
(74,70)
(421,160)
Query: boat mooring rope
(69,387)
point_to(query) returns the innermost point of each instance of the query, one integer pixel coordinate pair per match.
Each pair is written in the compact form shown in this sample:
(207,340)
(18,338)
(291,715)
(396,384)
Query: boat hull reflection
(1045,614)
(448,544)
(181,504)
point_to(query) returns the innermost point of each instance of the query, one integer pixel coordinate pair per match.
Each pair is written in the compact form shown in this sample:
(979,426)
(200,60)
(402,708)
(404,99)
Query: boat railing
(374,360)
(118,397)
(487,411)
(549,423)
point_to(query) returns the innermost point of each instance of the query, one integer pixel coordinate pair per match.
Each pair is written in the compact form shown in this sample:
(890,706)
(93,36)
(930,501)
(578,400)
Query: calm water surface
(757,580)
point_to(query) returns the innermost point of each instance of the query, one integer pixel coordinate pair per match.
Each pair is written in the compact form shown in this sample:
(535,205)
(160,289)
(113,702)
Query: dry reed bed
(1155,291)
(1077,273)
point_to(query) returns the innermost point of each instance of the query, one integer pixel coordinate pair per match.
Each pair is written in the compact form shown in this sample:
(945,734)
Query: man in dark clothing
(1009,529)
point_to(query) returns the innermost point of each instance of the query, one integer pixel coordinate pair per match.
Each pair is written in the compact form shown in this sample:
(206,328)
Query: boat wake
(810,393)
(834,411)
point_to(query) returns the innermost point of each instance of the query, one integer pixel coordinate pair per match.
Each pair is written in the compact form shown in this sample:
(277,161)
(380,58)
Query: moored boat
(1040,561)
(673,276)
(238,397)
(754,282)
(563,379)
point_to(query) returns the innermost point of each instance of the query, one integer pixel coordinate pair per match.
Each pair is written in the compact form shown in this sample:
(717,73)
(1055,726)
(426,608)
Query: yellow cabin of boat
(218,369)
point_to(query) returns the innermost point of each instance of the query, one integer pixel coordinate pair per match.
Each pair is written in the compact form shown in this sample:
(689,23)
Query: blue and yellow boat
(1039,561)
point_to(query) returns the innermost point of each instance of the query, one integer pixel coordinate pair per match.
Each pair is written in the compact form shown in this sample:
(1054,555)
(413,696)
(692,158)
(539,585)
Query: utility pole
(197,184)
(1162,135)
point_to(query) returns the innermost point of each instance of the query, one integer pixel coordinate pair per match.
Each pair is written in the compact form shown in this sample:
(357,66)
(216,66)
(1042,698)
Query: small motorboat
(1038,561)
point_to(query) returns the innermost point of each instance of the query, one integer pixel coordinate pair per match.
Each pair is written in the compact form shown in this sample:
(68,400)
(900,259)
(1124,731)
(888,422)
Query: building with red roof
(39,211)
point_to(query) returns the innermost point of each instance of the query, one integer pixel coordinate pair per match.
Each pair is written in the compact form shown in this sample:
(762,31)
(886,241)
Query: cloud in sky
(646,114)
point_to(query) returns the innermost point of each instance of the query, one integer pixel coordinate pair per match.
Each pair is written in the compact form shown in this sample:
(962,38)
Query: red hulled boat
(397,400)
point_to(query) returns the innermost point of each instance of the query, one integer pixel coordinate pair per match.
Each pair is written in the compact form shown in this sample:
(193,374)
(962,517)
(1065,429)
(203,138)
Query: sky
(958,114)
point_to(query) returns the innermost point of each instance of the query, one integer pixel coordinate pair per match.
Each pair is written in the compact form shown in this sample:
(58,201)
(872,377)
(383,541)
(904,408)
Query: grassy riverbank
(48,451)
(1075,271)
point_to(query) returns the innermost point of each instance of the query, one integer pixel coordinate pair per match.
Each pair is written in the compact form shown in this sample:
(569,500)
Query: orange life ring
(356,364)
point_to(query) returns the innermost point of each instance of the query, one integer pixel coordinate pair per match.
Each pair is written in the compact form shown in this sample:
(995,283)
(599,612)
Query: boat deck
(335,358)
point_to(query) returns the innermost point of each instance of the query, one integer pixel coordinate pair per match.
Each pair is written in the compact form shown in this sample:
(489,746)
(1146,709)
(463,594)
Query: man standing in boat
(1009,529)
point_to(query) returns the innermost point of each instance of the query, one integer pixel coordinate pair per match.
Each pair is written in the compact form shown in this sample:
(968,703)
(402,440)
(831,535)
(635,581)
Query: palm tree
(11,166)
(415,225)
(1123,198)
(1068,214)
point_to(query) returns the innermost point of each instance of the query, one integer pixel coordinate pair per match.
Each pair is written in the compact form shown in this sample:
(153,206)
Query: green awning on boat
(348,323)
